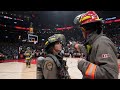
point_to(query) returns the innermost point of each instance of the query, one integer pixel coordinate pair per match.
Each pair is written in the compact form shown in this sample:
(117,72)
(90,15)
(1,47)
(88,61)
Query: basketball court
(18,70)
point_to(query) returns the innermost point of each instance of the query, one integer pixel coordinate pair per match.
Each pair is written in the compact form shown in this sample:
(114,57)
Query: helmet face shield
(77,19)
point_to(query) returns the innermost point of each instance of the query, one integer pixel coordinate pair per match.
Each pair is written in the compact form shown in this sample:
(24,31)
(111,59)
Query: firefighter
(101,61)
(28,57)
(53,66)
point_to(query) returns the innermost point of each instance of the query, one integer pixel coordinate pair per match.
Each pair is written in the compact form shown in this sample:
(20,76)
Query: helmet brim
(100,21)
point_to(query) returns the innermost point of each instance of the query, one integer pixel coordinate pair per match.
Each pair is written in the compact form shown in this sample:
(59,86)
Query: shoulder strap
(55,59)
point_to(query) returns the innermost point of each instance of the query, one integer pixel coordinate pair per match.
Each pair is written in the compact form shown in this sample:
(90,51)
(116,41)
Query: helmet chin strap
(85,33)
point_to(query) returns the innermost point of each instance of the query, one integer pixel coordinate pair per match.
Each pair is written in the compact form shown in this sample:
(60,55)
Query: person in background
(28,57)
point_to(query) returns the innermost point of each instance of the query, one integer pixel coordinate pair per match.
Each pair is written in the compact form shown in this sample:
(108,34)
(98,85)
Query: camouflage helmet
(61,37)
(54,38)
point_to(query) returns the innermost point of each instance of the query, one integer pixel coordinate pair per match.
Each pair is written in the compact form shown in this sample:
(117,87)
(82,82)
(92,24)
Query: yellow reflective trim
(46,43)
(90,72)
(52,39)
(27,58)
(85,18)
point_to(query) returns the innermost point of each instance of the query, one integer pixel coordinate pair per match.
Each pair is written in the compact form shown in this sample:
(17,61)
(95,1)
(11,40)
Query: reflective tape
(90,72)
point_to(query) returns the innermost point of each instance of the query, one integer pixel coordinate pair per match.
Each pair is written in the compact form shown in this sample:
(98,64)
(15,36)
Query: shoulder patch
(49,66)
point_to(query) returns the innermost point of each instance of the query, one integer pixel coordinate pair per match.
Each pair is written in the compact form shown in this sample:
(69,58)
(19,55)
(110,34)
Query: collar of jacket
(92,37)
(59,56)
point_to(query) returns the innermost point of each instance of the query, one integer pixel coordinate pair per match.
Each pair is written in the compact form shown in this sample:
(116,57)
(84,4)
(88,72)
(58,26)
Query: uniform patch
(105,55)
(49,66)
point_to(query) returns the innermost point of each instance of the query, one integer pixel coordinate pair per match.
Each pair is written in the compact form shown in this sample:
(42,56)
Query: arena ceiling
(65,16)
(60,17)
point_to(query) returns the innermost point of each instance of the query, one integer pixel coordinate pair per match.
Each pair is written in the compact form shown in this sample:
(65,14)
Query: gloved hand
(80,48)
(83,50)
